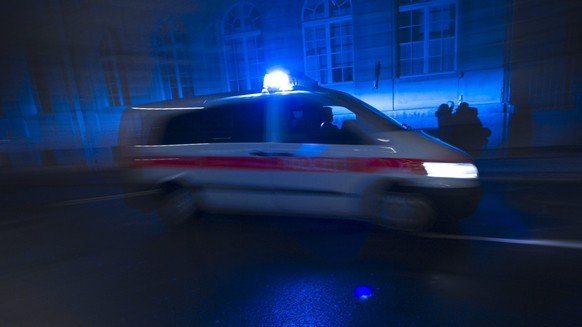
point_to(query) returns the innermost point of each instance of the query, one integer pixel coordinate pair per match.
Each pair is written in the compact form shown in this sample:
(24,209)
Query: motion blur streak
(106,198)
(549,243)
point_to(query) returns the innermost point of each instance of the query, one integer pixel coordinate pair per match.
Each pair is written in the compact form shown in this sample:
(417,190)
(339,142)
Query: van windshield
(348,107)
(330,118)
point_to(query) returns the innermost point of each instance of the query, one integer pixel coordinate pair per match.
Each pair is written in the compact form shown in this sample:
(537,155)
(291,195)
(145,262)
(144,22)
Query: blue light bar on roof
(277,80)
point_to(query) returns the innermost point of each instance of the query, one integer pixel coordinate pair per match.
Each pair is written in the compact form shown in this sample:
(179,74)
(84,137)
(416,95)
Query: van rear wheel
(177,206)
(404,211)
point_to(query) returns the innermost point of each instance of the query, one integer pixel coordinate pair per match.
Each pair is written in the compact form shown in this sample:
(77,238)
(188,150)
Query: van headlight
(450,170)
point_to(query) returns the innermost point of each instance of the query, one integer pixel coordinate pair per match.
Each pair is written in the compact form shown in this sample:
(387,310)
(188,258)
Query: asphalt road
(73,254)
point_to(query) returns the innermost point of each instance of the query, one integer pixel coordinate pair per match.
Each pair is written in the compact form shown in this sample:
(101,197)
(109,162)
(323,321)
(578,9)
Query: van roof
(185,103)
(200,101)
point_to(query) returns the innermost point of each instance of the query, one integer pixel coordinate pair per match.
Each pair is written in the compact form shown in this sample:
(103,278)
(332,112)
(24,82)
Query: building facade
(71,66)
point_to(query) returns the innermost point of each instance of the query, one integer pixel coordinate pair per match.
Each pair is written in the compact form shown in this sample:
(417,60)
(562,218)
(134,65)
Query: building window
(243,46)
(112,73)
(328,40)
(427,36)
(175,68)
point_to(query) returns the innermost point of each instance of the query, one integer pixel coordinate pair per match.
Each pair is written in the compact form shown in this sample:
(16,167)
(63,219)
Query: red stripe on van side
(307,164)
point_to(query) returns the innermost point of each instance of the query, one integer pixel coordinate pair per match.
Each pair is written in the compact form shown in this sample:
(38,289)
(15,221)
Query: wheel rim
(404,211)
(178,206)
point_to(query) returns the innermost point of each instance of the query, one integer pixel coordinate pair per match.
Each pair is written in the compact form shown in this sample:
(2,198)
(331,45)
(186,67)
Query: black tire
(177,206)
(404,211)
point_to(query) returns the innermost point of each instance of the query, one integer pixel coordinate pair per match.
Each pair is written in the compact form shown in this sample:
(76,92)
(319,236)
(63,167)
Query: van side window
(230,123)
(248,121)
(300,121)
(305,121)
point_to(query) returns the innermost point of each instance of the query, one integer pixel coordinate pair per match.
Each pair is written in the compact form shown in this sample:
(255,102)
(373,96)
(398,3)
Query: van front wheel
(177,206)
(404,211)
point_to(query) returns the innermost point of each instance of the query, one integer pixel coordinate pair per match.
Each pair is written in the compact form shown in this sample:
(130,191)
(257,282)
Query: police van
(293,150)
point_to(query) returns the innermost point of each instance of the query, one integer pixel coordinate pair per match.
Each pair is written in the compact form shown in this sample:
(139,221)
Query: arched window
(243,46)
(117,94)
(328,40)
(175,68)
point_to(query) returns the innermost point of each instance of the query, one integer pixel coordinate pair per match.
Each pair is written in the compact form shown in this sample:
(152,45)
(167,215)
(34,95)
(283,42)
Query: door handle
(259,153)
(270,154)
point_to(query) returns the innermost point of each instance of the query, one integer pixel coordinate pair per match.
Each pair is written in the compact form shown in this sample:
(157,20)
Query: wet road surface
(73,254)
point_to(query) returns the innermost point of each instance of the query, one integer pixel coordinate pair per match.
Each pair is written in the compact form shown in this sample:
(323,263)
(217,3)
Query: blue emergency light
(277,80)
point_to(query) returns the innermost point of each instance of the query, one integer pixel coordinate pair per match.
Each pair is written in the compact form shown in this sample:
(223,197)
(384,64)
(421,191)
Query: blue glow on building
(63,88)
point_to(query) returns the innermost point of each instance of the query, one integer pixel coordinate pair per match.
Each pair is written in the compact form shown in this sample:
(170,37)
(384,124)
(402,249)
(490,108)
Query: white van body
(268,153)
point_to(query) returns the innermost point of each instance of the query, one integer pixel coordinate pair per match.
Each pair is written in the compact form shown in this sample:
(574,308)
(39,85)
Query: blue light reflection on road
(305,300)
(363,292)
